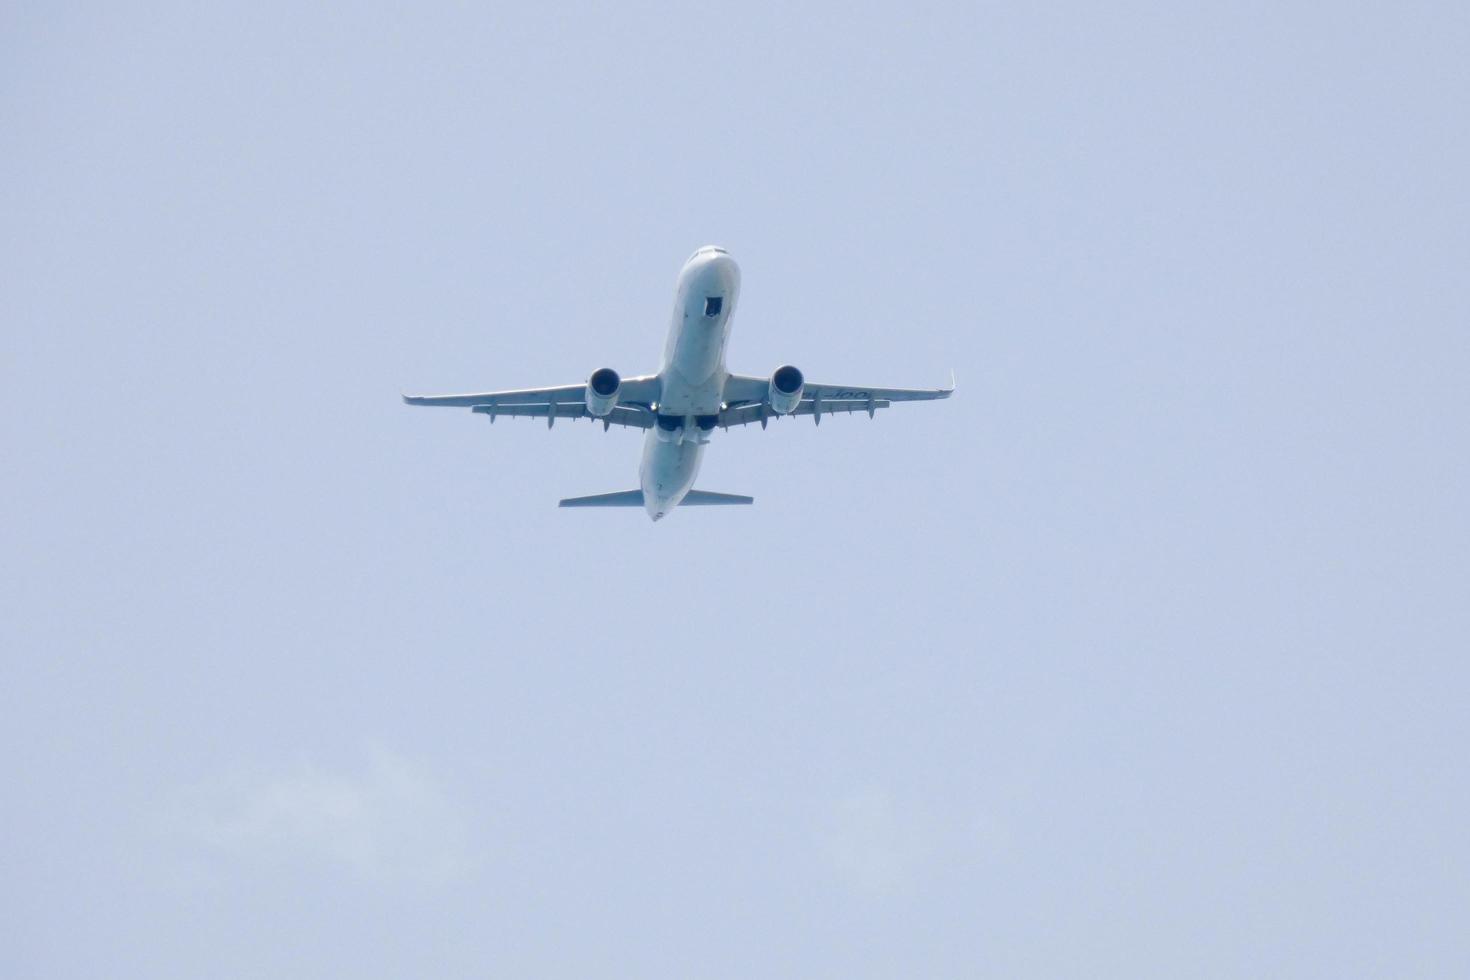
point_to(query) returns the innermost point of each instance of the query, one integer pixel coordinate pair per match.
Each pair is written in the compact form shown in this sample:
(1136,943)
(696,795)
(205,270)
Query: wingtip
(950,390)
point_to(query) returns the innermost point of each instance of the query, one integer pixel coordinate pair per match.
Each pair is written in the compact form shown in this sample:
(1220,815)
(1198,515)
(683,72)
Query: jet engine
(785,392)
(602,392)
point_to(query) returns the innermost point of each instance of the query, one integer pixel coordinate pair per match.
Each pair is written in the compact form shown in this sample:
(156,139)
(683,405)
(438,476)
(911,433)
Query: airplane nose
(711,276)
(707,250)
(720,272)
(713,261)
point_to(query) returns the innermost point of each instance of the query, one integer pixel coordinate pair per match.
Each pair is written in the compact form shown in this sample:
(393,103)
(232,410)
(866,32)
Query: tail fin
(622,498)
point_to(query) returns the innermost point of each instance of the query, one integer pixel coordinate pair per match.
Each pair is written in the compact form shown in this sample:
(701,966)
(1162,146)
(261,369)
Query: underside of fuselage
(691,379)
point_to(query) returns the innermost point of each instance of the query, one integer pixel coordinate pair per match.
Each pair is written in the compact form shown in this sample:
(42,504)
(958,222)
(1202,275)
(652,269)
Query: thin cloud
(874,843)
(387,821)
(879,842)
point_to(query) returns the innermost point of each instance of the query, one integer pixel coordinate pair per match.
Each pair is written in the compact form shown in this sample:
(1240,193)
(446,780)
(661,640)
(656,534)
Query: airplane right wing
(634,407)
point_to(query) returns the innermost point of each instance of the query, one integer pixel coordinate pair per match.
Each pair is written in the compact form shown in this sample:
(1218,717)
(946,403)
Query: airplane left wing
(747,399)
(634,407)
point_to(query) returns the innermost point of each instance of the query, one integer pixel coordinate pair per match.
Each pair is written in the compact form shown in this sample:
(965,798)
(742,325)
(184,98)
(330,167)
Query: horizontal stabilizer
(634,498)
(708,498)
(622,498)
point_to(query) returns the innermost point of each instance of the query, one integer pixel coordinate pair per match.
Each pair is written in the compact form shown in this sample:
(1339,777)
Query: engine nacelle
(785,392)
(602,392)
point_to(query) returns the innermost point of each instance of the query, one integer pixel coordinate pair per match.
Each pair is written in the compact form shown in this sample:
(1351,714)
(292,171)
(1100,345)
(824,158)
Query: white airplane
(690,395)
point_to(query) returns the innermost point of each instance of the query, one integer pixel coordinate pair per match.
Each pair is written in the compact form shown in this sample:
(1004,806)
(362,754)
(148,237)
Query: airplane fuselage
(691,379)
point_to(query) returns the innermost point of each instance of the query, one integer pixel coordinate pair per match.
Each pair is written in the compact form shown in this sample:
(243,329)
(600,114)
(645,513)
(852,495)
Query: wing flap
(624,415)
(746,414)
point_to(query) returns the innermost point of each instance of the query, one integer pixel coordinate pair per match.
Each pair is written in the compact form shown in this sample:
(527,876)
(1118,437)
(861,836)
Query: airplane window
(712,305)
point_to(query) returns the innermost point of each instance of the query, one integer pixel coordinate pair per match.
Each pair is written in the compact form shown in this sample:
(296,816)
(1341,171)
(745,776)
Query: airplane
(691,394)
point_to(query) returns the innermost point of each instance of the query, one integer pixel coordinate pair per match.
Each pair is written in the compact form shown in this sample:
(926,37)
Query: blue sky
(1142,656)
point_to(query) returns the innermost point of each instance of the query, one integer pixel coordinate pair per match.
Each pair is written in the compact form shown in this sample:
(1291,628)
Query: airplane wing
(634,407)
(747,399)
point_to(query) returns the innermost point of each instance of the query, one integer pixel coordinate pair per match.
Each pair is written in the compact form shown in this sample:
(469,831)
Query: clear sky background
(1144,656)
